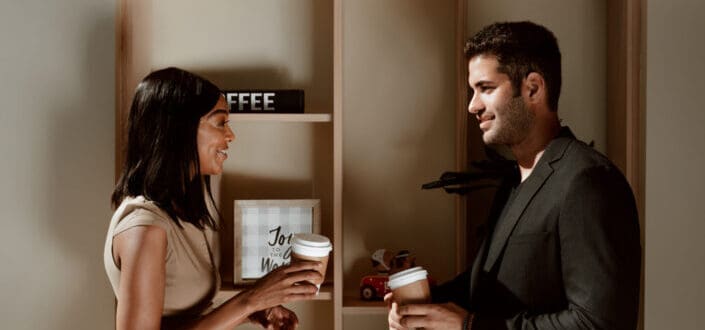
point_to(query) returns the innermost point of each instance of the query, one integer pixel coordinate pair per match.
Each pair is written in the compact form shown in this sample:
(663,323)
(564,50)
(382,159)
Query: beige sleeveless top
(192,279)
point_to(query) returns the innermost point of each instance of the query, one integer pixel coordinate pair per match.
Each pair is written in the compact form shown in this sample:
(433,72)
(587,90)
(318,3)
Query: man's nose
(475,104)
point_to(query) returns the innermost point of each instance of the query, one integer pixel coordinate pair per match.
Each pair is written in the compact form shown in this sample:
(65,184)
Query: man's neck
(528,152)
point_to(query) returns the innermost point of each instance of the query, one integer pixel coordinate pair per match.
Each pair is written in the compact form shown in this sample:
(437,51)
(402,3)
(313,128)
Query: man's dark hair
(161,158)
(521,48)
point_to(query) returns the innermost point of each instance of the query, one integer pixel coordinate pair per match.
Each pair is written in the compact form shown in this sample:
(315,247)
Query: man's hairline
(500,66)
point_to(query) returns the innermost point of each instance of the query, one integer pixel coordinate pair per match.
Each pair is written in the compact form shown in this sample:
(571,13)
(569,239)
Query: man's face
(503,118)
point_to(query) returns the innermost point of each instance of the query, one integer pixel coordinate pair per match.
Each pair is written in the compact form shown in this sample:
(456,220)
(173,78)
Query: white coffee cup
(410,286)
(314,247)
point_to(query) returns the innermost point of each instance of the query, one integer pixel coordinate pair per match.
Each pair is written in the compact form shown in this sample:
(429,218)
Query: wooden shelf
(354,305)
(228,291)
(283,117)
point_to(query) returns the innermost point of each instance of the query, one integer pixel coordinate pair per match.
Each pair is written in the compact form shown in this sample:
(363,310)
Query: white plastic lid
(313,245)
(405,277)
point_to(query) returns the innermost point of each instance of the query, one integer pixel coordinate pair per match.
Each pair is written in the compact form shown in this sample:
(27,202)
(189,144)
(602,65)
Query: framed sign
(263,231)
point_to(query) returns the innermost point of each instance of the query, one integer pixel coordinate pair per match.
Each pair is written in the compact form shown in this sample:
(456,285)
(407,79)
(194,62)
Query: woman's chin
(215,170)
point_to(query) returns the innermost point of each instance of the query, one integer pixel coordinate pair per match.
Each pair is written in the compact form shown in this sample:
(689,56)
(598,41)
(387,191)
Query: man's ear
(535,88)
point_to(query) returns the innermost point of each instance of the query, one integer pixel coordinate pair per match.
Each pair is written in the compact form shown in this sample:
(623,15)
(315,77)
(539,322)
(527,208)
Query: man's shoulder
(579,156)
(582,165)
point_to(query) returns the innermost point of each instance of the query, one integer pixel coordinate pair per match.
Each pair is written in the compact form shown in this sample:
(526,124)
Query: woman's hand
(276,318)
(284,284)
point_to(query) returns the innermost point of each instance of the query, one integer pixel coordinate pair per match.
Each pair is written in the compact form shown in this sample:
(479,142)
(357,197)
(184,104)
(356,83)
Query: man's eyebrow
(218,112)
(482,82)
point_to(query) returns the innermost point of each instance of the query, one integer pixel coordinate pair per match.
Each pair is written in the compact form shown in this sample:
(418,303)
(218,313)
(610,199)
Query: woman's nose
(229,135)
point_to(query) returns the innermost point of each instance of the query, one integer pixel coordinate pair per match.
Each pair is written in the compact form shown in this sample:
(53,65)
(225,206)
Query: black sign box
(265,101)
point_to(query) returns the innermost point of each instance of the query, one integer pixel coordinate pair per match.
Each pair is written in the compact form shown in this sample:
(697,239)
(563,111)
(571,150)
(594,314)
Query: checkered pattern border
(259,226)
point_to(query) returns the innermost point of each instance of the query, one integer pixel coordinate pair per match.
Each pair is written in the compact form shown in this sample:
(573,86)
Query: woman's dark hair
(521,48)
(161,158)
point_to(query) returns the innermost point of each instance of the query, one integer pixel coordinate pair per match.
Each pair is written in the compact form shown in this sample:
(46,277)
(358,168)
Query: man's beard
(512,126)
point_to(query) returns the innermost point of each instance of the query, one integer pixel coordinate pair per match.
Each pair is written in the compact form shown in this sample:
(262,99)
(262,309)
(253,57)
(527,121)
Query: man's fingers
(417,309)
(394,324)
(388,297)
(414,322)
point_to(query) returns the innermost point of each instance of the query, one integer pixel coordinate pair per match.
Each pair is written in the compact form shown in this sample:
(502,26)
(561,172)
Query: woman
(158,250)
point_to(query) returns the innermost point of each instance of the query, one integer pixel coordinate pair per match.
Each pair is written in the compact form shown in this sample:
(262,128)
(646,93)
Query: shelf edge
(283,117)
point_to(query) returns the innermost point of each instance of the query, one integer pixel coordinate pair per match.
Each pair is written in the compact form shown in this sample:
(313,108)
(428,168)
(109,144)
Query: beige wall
(398,133)
(56,139)
(580,27)
(675,159)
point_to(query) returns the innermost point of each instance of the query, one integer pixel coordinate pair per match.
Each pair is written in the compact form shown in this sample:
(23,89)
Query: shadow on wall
(81,167)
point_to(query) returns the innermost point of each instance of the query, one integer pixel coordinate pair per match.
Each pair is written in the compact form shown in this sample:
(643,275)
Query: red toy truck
(374,287)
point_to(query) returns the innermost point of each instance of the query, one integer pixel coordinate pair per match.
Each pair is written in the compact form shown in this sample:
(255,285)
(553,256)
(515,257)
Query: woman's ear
(535,88)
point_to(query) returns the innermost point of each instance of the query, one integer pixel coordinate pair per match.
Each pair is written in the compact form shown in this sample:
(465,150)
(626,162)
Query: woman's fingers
(286,277)
(287,284)
(304,276)
(301,288)
(301,265)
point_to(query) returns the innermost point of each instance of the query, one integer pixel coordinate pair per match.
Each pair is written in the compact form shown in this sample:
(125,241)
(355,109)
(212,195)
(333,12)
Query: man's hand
(427,316)
(394,319)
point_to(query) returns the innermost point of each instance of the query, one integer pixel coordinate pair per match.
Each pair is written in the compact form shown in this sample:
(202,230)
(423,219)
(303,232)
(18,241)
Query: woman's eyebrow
(217,112)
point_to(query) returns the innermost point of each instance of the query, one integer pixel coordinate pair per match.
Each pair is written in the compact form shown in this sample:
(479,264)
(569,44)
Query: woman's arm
(140,253)
(282,285)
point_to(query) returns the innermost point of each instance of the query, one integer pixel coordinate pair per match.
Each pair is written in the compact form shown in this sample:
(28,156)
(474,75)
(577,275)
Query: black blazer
(567,253)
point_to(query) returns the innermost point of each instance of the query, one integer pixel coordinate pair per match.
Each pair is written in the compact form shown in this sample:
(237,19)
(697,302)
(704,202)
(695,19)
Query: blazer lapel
(475,270)
(529,189)
(554,152)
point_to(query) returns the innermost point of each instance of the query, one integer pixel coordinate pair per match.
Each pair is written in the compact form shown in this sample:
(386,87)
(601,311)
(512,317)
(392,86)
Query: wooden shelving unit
(151,35)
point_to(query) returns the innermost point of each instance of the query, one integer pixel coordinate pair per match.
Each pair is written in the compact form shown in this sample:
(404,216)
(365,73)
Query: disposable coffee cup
(410,286)
(313,247)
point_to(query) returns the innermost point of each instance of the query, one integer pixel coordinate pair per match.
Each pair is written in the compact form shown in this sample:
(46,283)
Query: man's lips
(485,121)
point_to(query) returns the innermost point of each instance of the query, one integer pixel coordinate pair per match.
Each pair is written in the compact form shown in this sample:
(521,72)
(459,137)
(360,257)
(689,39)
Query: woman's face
(213,137)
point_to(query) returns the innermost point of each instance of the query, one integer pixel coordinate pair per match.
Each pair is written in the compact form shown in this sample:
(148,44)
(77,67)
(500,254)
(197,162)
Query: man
(564,250)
